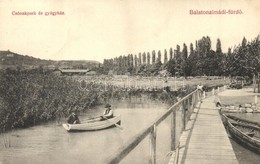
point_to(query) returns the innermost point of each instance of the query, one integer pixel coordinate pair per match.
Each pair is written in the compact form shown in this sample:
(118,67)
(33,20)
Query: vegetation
(243,60)
(30,97)
(34,96)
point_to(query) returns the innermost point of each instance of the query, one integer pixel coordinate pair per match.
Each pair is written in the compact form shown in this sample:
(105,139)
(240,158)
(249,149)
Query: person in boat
(108,113)
(73,119)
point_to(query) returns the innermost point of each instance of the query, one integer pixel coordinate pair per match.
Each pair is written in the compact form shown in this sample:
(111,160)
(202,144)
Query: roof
(91,72)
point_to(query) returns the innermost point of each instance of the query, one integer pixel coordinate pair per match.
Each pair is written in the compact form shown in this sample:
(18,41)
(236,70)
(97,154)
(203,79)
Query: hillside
(10,59)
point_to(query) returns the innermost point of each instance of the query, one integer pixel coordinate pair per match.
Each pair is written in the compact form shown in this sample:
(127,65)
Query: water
(244,155)
(50,143)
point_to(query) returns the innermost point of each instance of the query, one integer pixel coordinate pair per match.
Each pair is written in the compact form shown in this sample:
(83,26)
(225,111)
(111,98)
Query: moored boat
(94,124)
(246,134)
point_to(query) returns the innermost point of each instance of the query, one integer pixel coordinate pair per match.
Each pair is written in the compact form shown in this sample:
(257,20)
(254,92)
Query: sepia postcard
(129,81)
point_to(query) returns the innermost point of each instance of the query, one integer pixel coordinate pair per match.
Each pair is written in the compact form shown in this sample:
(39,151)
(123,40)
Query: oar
(117,125)
(90,119)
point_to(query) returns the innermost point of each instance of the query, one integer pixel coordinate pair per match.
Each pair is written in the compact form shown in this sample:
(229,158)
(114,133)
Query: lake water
(50,143)
(244,155)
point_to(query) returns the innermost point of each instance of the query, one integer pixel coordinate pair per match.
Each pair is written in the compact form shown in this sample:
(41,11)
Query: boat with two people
(94,124)
(107,120)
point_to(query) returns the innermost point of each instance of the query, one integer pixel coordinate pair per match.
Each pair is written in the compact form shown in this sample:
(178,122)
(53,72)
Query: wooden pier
(204,139)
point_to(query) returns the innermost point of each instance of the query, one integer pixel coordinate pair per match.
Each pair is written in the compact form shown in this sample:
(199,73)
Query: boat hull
(91,126)
(240,132)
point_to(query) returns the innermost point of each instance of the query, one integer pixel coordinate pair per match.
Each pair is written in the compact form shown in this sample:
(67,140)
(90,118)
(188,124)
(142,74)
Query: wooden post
(153,145)
(255,99)
(105,85)
(192,100)
(173,130)
(184,114)
(175,87)
(204,94)
(213,91)
(188,108)
(258,83)
(197,95)
(254,82)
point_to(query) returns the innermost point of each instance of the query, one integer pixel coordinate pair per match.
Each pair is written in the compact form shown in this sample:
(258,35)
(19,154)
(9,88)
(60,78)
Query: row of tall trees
(196,60)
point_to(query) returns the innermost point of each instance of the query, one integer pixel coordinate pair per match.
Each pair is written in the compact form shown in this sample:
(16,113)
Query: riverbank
(239,101)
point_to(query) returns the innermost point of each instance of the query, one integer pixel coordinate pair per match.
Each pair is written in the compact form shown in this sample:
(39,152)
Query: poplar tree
(139,59)
(136,61)
(148,58)
(159,56)
(153,56)
(144,58)
(165,57)
(171,53)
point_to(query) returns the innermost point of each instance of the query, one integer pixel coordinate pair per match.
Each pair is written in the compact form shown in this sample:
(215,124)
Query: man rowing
(73,119)
(108,113)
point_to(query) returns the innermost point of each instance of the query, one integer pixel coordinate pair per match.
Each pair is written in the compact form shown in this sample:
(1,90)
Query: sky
(102,29)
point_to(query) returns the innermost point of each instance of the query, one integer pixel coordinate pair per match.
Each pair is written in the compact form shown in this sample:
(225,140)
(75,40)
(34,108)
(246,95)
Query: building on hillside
(91,73)
(51,67)
(73,71)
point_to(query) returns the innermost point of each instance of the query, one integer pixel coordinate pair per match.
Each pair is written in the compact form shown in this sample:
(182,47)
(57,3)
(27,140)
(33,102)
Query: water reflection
(50,143)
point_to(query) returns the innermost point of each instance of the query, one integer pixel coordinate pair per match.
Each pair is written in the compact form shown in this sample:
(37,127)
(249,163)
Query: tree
(165,57)
(144,58)
(136,61)
(178,59)
(156,67)
(153,57)
(148,58)
(184,52)
(191,50)
(244,42)
(183,62)
(192,62)
(218,47)
(171,66)
(139,59)
(131,63)
(177,53)
(204,46)
(159,56)
(171,53)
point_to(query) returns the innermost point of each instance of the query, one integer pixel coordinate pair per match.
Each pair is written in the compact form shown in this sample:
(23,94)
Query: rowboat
(244,121)
(93,124)
(243,132)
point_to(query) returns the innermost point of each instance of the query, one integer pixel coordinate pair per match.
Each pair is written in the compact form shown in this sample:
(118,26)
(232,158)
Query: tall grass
(30,97)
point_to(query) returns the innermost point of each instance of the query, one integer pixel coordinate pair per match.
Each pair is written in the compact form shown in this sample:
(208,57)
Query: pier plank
(205,139)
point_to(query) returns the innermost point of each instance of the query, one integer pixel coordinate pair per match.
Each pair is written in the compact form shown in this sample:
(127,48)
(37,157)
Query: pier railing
(186,105)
